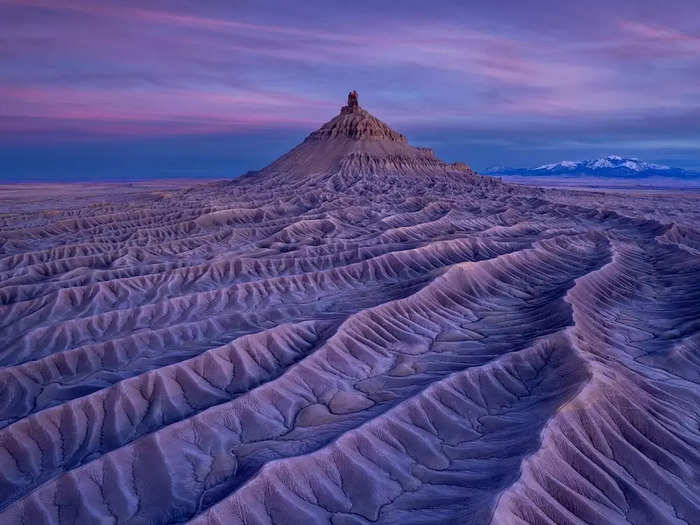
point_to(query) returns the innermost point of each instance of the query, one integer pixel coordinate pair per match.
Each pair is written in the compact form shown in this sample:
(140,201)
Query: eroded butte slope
(358,333)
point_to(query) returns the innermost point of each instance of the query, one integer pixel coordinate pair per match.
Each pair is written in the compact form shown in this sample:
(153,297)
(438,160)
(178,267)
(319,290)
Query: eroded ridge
(359,333)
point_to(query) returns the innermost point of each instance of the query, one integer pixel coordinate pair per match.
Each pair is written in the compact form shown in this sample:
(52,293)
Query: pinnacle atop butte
(352,100)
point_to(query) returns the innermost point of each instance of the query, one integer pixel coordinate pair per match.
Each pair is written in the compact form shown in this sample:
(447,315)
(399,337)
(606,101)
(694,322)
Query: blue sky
(128,89)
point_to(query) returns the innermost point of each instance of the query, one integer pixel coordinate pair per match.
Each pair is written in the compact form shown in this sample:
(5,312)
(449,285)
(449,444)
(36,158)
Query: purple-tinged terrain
(359,333)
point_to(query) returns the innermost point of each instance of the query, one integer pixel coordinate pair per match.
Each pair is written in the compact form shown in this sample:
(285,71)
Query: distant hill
(611,166)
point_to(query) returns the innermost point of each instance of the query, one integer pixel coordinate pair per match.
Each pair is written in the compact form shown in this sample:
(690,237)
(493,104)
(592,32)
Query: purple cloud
(167,68)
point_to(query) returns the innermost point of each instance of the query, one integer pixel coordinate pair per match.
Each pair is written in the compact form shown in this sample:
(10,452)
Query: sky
(124,89)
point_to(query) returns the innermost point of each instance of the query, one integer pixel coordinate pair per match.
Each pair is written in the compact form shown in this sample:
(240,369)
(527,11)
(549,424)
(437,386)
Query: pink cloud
(97,62)
(658,33)
(171,112)
(652,41)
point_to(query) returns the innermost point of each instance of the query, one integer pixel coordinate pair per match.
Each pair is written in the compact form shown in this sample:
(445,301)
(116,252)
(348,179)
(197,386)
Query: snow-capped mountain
(610,166)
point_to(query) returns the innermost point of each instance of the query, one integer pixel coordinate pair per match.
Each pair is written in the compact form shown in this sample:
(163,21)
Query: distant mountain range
(610,166)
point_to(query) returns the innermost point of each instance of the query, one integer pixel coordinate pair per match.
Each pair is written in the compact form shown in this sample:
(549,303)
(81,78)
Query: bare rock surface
(359,333)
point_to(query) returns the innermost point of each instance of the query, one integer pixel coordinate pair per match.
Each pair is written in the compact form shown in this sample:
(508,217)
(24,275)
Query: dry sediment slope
(359,333)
